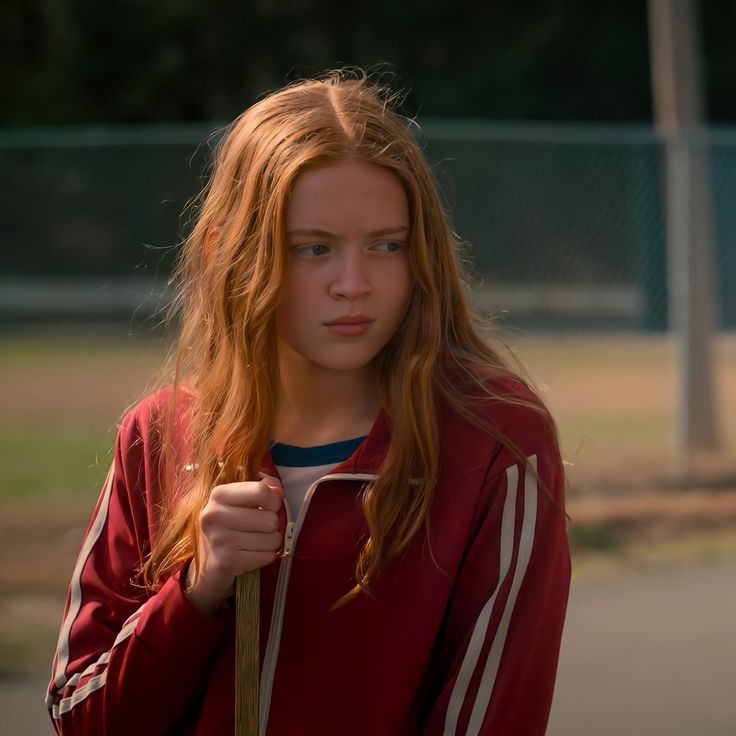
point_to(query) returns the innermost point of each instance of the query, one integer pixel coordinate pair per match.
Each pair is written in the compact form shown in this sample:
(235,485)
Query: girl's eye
(318,249)
(389,246)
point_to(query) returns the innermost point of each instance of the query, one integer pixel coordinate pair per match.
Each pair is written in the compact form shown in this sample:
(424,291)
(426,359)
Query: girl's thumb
(273,483)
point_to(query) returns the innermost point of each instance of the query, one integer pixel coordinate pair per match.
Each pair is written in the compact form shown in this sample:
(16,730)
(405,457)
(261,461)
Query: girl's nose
(351,279)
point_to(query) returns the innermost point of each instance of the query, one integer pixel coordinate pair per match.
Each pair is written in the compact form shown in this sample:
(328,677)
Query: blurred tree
(717,22)
(81,61)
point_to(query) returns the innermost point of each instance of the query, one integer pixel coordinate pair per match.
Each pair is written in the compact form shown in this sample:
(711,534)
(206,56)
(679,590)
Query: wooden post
(678,108)
(247,654)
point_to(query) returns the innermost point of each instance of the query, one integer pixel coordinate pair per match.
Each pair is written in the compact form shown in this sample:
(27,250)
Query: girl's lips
(350,319)
(344,329)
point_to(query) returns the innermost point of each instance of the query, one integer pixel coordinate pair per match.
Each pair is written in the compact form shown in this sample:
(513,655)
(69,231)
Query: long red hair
(229,277)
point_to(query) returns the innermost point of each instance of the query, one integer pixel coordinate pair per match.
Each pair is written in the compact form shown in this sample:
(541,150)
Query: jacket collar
(367,458)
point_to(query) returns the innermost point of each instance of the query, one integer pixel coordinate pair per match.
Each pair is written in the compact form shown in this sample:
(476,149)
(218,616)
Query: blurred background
(587,153)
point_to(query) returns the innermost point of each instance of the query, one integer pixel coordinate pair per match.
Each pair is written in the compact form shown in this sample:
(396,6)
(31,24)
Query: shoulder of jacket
(156,407)
(505,408)
(162,412)
(517,406)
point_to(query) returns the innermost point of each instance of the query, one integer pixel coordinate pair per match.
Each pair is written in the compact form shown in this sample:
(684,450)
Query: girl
(337,420)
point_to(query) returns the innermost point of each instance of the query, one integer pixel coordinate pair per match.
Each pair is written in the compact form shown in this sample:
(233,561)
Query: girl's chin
(345,364)
(346,358)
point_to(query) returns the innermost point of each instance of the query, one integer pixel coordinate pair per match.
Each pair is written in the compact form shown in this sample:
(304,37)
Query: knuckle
(218,545)
(264,494)
(216,493)
(210,517)
(206,518)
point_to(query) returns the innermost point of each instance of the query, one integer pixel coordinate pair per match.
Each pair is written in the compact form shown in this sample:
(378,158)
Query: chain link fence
(566,224)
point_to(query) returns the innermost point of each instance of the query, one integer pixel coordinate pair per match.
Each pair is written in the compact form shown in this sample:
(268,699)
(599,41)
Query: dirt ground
(76,377)
(617,401)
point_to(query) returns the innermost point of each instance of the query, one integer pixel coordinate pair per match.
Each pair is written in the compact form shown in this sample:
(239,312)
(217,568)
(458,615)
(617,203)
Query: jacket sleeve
(127,661)
(500,645)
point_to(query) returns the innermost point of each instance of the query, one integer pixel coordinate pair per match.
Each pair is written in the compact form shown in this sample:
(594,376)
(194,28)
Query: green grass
(61,395)
(590,537)
(591,564)
(53,461)
(75,346)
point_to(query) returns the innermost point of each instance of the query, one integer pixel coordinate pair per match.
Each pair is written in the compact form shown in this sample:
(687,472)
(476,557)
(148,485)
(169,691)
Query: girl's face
(348,282)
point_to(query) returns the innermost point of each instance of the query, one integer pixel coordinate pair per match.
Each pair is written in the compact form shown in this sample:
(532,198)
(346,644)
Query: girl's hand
(239,532)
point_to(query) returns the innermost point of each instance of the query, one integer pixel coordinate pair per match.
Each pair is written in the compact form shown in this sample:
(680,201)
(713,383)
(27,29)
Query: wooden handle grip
(247,653)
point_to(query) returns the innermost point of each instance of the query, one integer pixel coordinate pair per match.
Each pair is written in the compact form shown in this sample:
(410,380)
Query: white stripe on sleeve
(485,690)
(480,631)
(75,600)
(59,674)
(67,703)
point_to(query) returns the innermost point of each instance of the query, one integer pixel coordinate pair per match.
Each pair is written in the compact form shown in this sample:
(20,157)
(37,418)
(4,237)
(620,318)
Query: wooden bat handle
(247,653)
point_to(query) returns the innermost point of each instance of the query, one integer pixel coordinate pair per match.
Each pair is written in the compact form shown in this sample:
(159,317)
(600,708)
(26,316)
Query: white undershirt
(295,482)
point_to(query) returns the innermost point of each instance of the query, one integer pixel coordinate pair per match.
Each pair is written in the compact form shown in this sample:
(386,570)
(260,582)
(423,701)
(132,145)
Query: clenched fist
(239,532)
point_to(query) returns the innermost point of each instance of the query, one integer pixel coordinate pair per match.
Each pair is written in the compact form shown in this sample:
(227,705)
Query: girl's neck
(325,407)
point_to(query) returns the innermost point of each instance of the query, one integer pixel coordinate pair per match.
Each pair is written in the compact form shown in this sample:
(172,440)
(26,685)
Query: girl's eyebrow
(327,234)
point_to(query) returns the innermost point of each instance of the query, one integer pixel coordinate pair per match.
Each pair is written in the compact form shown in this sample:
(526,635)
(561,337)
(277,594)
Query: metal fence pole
(679,113)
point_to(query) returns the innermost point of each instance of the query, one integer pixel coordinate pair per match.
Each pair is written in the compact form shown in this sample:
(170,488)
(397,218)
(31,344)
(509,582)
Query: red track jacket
(461,638)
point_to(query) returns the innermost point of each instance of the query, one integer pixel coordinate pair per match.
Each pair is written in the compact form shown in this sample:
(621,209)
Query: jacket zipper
(277,617)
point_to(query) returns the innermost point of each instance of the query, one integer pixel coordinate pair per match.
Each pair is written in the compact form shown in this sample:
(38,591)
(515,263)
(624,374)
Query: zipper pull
(289,538)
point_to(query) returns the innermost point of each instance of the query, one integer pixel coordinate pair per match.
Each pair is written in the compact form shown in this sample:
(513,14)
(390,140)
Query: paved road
(649,654)
(644,654)
(22,708)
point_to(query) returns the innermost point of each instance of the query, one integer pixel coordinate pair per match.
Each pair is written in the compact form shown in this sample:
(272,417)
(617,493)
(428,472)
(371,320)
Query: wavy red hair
(229,276)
